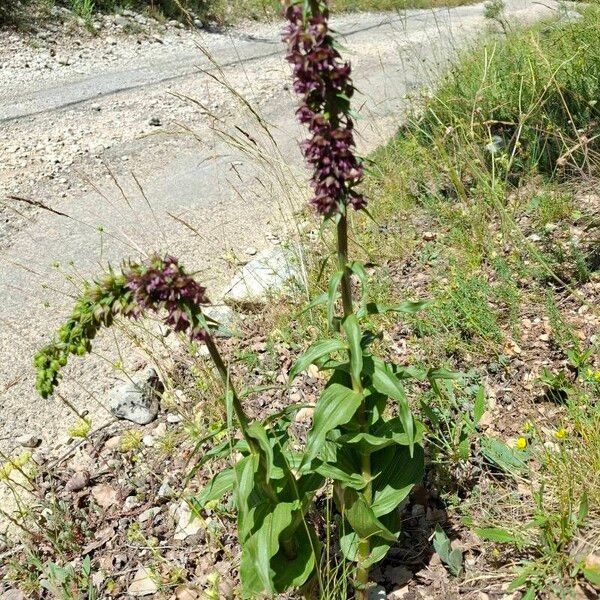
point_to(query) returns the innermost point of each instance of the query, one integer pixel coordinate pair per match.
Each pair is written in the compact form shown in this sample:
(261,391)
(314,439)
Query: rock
(187,524)
(173,418)
(377,593)
(148,514)
(304,414)
(13,595)
(105,495)
(154,122)
(224,315)
(148,441)
(251,251)
(78,481)
(429,236)
(198,23)
(269,272)
(113,443)
(120,21)
(142,584)
(184,592)
(137,401)
(130,503)
(165,490)
(29,440)
(160,430)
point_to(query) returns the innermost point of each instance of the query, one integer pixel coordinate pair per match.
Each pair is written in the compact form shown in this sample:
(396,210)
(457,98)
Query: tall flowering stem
(323,80)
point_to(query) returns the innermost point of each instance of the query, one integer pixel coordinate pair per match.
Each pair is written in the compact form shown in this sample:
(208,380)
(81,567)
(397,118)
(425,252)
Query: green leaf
(318,350)
(361,517)
(352,331)
(386,382)
(584,507)
(500,455)
(453,559)
(332,296)
(407,308)
(320,299)
(496,534)
(396,478)
(359,270)
(592,575)
(390,433)
(218,486)
(264,565)
(479,407)
(335,407)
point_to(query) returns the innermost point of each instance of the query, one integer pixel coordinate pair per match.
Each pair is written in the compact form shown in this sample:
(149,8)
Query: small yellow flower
(528,427)
(521,443)
(560,434)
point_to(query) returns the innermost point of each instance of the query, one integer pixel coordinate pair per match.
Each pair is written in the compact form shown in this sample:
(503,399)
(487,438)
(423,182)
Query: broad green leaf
(361,518)
(218,486)
(352,331)
(390,433)
(257,432)
(265,565)
(340,475)
(244,472)
(503,457)
(318,350)
(320,299)
(396,479)
(386,382)
(349,546)
(290,574)
(335,407)
(359,270)
(592,575)
(453,559)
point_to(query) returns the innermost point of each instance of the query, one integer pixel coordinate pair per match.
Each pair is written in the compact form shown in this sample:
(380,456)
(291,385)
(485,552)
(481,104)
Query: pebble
(173,418)
(78,481)
(148,440)
(143,584)
(29,440)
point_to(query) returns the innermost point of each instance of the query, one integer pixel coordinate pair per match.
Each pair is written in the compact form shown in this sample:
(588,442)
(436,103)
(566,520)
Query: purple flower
(323,80)
(164,284)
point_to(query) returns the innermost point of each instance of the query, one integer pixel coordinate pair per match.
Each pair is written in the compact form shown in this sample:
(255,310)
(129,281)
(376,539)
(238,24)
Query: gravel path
(85,120)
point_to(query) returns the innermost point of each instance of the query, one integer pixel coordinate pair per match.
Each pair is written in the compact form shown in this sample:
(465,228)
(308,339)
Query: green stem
(289,545)
(364,546)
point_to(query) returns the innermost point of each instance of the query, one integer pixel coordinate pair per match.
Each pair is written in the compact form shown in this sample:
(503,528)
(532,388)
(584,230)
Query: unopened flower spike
(159,285)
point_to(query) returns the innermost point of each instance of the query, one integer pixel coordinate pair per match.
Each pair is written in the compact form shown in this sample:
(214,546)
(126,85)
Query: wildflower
(528,427)
(161,284)
(521,443)
(560,434)
(165,285)
(323,79)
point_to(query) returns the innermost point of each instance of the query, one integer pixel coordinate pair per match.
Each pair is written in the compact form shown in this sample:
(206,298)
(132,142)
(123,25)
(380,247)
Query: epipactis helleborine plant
(364,443)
